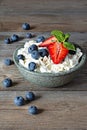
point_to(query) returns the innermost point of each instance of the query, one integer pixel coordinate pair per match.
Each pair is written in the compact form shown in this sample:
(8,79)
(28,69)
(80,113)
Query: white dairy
(46,64)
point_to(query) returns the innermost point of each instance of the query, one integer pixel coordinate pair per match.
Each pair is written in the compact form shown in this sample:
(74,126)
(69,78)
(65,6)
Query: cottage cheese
(46,64)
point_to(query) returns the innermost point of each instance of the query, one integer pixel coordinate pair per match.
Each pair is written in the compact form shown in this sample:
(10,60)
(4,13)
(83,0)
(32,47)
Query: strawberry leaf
(67,35)
(69,46)
(59,35)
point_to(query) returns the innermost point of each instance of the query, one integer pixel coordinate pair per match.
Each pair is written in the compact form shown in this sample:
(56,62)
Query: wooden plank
(44,15)
(63,108)
(58,111)
(19,83)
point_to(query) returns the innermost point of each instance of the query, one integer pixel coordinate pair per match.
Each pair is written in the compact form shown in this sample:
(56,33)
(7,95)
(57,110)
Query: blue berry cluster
(36,54)
(13,38)
(30,96)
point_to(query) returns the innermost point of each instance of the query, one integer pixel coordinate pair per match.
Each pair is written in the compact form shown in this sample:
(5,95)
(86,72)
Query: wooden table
(63,108)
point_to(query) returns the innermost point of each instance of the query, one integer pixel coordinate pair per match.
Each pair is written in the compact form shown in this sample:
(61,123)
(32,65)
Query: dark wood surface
(63,108)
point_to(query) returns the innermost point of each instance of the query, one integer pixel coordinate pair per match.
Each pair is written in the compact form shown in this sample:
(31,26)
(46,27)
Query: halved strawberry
(53,49)
(57,52)
(62,53)
(48,41)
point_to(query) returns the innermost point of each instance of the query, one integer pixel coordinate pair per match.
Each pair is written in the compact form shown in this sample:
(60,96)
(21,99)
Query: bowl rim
(77,67)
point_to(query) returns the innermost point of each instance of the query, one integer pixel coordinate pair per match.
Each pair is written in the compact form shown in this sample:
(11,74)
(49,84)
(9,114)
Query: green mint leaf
(59,35)
(69,46)
(67,35)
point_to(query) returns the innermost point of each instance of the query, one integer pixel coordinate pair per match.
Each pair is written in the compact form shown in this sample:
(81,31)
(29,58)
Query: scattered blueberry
(19,101)
(32,66)
(25,26)
(43,52)
(8,61)
(28,35)
(7,82)
(72,52)
(30,96)
(20,57)
(40,39)
(14,38)
(35,54)
(32,48)
(7,40)
(33,110)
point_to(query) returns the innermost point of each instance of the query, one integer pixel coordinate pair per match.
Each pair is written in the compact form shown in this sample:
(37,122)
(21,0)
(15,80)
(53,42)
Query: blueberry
(35,54)
(30,96)
(7,82)
(43,52)
(19,101)
(20,57)
(28,35)
(14,38)
(25,26)
(40,39)
(32,66)
(8,61)
(33,110)
(72,52)
(7,40)
(32,48)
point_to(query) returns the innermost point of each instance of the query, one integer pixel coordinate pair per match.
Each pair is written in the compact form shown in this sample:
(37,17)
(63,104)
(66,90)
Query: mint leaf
(67,35)
(69,46)
(59,35)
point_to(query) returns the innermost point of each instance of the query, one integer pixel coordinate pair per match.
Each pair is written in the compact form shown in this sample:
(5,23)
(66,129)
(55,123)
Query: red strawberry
(62,53)
(56,49)
(48,41)
(57,52)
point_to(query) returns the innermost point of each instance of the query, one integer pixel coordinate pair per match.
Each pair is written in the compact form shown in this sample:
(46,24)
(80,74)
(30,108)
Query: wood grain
(44,15)
(58,110)
(63,108)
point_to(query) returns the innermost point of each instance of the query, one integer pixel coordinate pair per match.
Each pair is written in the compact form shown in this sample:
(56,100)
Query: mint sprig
(69,46)
(61,37)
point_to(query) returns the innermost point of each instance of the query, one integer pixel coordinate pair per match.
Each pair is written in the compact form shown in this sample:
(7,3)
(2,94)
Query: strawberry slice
(57,52)
(48,41)
(53,49)
(62,53)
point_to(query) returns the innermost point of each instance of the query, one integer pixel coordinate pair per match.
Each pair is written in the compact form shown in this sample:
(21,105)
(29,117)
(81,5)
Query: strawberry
(48,41)
(57,51)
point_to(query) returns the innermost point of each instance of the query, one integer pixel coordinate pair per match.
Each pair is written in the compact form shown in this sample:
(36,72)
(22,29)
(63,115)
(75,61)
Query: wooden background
(63,108)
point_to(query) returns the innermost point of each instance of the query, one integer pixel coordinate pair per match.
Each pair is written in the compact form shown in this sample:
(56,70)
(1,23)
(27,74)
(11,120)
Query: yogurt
(45,64)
